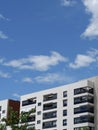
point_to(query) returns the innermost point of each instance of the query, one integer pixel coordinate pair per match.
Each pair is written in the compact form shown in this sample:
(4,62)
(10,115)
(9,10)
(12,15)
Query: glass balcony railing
(83,99)
(83,90)
(49,115)
(84,128)
(84,119)
(49,124)
(49,97)
(29,101)
(84,108)
(49,106)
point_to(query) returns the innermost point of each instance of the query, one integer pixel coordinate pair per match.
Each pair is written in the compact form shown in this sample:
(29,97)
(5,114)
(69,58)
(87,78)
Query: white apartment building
(68,107)
(5,105)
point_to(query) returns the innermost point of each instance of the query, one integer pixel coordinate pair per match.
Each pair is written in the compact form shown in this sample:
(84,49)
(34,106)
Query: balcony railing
(84,108)
(29,101)
(83,99)
(49,115)
(84,128)
(50,97)
(83,90)
(84,119)
(49,124)
(49,106)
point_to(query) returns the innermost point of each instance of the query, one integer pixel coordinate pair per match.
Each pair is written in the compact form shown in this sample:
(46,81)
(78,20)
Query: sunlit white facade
(69,107)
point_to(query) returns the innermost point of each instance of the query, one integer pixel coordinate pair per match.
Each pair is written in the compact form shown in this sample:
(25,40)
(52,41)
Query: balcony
(49,106)
(27,118)
(49,124)
(29,101)
(84,108)
(50,97)
(84,119)
(49,115)
(83,90)
(31,118)
(83,99)
(84,128)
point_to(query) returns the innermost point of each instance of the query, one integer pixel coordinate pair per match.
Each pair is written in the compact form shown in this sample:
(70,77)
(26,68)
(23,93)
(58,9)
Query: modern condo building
(68,107)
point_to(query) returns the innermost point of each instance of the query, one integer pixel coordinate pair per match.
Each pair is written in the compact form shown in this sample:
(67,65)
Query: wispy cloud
(27,80)
(2,17)
(92,8)
(84,60)
(49,78)
(3,36)
(39,63)
(4,75)
(68,3)
(16,95)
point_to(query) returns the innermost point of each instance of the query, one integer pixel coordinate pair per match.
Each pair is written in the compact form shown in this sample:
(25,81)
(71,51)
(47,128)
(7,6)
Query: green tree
(17,122)
(2,127)
(84,128)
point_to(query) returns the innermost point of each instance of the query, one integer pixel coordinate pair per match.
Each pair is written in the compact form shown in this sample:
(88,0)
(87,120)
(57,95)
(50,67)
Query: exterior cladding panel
(15,105)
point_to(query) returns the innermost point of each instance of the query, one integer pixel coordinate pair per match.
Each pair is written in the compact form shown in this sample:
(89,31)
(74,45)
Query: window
(64,112)
(64,103)
(39,113)
(39,104)
(64,122)
(65,94)
(38,122)
(3,111)
(0,108)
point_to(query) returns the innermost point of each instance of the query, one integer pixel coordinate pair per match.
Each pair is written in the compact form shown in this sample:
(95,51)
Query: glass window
(64,102)
(65,94)
(64,112)
(64,122)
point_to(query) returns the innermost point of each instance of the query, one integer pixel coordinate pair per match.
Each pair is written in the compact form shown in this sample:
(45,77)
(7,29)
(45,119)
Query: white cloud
(3,36)
(3,17)
(39,63)
(91,7)
(4,75)
(27,80)
(16,95)
(53,78)
(68,3)
(84,60)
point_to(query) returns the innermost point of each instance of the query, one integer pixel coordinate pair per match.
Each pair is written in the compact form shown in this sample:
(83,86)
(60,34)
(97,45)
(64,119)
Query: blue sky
(46,43)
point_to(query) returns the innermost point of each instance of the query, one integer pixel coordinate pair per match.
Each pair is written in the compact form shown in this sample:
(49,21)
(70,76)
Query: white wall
(70,107)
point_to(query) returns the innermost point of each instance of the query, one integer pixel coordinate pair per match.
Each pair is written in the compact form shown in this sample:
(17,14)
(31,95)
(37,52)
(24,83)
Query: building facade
(5,105)
(69,107)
